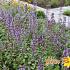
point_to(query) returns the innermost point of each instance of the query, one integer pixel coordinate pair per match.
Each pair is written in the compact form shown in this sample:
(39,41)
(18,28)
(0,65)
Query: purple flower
(33,46)
(40,64)
(65,52)
(9,20)
(33,22)
(17,33)
(25,8)
(2,15)
(19,10)
(9,24)
(17,30)
(52,18)
(55,39)
(40,39)
(12,31)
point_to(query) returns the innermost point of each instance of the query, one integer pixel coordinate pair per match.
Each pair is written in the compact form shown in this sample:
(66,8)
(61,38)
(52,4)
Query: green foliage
(40,14)
(12,58)
(54,3)
(67,2)
(41,26)
(3,34)
(67,13)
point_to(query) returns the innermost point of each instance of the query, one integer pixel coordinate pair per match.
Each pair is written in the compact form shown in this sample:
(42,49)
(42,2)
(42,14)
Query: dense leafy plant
(67,13)
(67,2)
(40,14)
(54,3)
(3,34)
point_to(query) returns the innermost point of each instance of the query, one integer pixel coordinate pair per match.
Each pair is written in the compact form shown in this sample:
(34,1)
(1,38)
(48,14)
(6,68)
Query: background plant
(40,14)
(67,13)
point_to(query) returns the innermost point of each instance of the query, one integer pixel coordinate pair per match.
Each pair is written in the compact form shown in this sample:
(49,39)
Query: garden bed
(28,39)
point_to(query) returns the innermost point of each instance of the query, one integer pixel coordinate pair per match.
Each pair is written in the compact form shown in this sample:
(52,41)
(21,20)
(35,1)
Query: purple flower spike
(25,8)
(2,16)
(33,46)
(33,22)
(9,20)
(19,10)
(40,39)
(12,31)
(65,52)
(17,30)
(40,65)
(17,34)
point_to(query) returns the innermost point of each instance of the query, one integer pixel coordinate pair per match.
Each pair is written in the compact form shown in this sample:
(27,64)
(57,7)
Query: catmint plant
(52,18)
(33,22)
(19,10)
(9,20)
(65,52)
(40,65)
(9,24)
(2,15)
(25,8)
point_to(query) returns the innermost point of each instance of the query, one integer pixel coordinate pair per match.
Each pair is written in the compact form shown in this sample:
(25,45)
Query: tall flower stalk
(33,30)
(40,65)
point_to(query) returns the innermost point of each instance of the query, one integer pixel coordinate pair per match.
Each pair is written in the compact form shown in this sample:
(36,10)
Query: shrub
(40,14)
(54,3)
(67,13)
(67,2)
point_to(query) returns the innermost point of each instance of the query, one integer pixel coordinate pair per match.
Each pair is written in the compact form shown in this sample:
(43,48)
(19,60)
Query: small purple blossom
(33,22)
(65,52)
(19,10)
(52,18)
(33,46)
(9,20)
(40,64)
(25,8)
(2,15)
(40,39)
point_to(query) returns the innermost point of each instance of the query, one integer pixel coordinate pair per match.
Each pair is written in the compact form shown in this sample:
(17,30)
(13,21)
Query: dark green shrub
(54,3)
(67,2)
(40,14)
(67,13)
